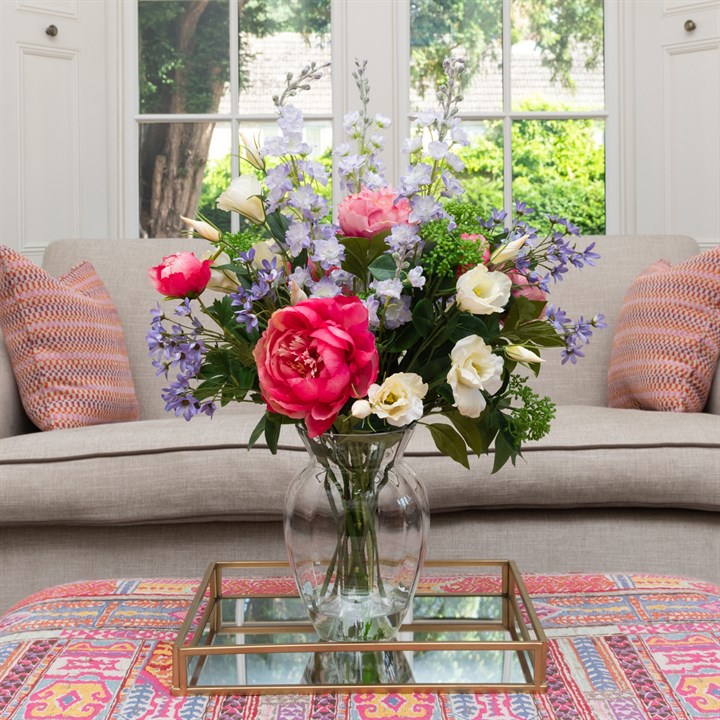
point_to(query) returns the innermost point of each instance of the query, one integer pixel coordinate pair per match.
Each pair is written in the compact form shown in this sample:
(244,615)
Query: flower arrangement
(408,308)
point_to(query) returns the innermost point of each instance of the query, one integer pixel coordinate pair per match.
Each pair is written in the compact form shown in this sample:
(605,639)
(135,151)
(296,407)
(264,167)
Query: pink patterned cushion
(667,339)
(65,344)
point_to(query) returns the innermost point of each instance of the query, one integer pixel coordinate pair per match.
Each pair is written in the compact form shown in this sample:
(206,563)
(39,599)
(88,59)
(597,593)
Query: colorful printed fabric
(667,337)
(638,647)
(66,345)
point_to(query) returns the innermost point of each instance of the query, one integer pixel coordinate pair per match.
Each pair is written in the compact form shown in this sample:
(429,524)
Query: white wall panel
(692,141)
(48,161)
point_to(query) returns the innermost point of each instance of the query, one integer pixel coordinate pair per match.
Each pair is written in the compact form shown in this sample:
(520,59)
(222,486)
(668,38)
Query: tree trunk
(174,155)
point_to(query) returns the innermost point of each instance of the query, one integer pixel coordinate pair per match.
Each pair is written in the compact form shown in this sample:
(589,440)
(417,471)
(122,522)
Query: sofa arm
(13,420)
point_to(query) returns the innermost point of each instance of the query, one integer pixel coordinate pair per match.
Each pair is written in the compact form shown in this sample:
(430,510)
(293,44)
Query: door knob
(52,31)
(689,25)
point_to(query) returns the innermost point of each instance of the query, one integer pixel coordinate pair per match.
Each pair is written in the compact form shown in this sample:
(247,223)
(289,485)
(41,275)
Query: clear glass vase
(356,523)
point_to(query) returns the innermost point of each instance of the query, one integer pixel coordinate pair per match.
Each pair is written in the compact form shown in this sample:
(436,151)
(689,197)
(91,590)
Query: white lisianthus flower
(473,366)
(243,197)
(521,354)
(399,400)
(509,251)
(221,280)
(203,229)
(483,292)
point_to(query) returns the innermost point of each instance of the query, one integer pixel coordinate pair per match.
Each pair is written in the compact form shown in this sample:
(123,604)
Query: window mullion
(507,106)
(233,23)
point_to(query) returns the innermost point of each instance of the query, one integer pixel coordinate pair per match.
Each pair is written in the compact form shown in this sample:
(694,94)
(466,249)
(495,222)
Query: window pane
(277,37)
(557,55)
(179,164)
(559,168)
(483,157)
(184,55)
(471,29)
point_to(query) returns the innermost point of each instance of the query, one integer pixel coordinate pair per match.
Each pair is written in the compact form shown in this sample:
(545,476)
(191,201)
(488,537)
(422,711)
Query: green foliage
(530,420)
(558,167)
(215,182)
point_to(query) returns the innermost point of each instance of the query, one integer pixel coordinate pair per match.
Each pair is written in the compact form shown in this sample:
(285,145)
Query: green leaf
(404,338)
(471,430)
(360,253)
(383,267)
(257,432)
(449,442)
(538,332)
(522,311)
(503,451)
(468,324)
(423,317)
(278,225)
(273,423)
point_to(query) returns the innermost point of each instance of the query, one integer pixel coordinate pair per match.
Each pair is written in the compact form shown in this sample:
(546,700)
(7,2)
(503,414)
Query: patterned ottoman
(621,647)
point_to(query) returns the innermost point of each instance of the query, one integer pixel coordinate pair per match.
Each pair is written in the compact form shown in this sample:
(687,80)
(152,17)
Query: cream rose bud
(361,409)
(509,251)
(250,152)
(203,229)
(224,281)
(473,367)
(243,198)
(522,354)
(482,292)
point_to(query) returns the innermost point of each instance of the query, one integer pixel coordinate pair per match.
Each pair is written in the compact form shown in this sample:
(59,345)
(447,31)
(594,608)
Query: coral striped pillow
(65,344)
(667,339)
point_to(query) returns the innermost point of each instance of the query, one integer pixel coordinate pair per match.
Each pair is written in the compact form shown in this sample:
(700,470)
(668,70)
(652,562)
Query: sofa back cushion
(66,345)
(667,337)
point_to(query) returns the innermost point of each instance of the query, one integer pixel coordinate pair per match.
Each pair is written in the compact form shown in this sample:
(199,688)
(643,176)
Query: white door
(53,122)
(677,117)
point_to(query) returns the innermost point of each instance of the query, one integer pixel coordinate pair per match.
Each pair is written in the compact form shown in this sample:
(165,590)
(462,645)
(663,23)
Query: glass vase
(356,523)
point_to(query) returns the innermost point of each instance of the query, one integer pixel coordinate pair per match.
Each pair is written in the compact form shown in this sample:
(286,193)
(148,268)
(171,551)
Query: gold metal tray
(472,628)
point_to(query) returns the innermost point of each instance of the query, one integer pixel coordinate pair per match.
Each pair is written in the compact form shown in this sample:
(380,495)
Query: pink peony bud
(180,275)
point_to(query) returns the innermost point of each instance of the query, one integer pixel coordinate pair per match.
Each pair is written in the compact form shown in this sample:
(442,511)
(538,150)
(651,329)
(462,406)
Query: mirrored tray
(472,628)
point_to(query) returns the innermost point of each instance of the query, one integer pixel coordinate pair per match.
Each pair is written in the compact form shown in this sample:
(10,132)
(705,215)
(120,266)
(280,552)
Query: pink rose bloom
(180,275)
(521,286)
(372,211)
(313,357)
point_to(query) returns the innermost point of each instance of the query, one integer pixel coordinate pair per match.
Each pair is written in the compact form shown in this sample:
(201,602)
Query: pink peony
(180,275)
(313,357)
(521,286)
(372,211)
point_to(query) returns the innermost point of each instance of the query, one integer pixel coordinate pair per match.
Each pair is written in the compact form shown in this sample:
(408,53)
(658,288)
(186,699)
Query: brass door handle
(689,25)
(51,30)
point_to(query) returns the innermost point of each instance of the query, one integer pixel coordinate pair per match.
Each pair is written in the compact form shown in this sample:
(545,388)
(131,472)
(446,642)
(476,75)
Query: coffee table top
(621,646)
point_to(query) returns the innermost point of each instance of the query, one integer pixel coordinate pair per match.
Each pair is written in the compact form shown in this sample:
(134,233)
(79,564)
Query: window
(197,106)
(534,101)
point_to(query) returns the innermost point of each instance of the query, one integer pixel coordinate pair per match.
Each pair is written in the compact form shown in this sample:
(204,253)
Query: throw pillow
(66,345)
(667,339)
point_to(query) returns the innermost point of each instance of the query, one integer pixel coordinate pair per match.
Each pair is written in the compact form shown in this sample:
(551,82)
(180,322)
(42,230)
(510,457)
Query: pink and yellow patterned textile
(66,345)
(667,337)
(622,647)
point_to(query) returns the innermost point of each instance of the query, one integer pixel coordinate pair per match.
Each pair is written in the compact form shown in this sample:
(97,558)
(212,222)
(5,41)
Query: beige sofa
(607,490)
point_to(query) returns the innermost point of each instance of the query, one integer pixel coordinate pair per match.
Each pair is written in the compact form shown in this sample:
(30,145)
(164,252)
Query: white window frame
(387,23)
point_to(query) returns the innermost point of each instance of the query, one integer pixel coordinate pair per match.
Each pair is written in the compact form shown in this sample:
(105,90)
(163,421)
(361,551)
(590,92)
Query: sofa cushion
(170,470)
(66,345)
(667,337)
